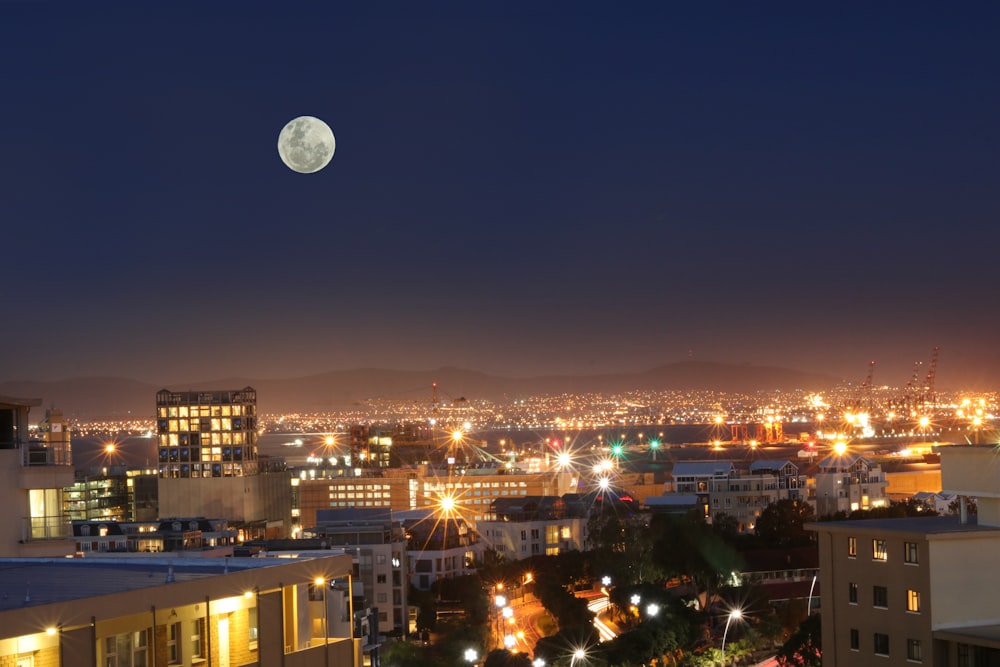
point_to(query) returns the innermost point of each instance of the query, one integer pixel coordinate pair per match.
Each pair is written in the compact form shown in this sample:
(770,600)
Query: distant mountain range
(100,397)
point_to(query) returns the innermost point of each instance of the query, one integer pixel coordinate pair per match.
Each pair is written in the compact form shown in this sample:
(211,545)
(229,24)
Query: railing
(53,455)
(47,528)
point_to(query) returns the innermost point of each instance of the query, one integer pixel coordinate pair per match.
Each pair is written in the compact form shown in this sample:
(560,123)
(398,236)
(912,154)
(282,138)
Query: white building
(535,526)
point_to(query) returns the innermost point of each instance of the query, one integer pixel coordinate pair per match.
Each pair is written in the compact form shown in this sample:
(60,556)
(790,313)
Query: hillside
(97,397)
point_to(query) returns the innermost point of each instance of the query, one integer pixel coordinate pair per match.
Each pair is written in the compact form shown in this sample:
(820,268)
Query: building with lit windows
(186,612)
(440,545)
(378,542)
(32,477)
(208,463)
(747,493)
(535,526)
(847,483)
(192,536)
(207,433)
(917,590)
(114,493)
(473,489)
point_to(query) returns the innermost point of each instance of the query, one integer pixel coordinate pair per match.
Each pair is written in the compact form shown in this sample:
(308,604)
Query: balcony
(56,527)
(36,454)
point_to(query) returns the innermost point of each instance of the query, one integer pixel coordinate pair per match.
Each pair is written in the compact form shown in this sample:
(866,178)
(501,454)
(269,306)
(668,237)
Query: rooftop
(929,525)
(27,582)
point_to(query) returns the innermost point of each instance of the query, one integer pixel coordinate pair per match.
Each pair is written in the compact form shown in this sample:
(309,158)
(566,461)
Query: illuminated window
(852,547)
(879,551)
(910,553)
(912,600)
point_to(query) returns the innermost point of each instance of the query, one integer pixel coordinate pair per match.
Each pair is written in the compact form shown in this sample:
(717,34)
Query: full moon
(306,144)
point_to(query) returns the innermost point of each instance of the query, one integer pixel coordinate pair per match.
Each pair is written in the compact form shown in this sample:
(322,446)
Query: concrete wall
(962,568)
(265,497)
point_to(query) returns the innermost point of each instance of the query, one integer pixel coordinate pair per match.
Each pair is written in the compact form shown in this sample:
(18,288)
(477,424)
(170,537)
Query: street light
(471,655)
(577,654)
(737,614)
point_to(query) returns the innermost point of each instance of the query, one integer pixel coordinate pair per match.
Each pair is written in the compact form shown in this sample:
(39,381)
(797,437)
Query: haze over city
(519,190)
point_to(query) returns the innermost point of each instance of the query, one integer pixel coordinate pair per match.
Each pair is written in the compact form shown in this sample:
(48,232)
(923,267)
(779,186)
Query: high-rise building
(207,433)
(208,463)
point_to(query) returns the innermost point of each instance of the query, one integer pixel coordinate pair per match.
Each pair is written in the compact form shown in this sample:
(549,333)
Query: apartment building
(377,540)
(535,526)
(33,474)
(917,590)
(847,483)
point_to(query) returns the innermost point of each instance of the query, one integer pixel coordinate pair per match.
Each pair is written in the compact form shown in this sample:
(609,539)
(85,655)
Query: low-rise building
(535,526)
(917,590)
(84,612)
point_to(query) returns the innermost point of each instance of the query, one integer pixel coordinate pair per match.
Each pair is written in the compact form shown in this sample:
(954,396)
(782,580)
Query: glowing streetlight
(734,614)
(840,448)
(578,654)
(635,599)
(471,654)
(537,662)
(652,609)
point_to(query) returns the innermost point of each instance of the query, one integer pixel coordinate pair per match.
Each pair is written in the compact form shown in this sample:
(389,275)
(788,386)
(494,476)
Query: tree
(781,524)
(805,647)
(504,658)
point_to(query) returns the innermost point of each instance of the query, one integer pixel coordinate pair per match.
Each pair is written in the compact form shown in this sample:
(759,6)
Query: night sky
(519,188)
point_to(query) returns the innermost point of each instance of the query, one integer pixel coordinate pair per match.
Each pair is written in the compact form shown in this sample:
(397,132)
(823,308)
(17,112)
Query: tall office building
(208,463)
(207,433)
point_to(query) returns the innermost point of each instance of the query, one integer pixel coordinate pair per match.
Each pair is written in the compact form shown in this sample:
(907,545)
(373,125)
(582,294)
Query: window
(253,627)
(173,643)
(196,644)
(127,650)
(913,650)
(880,596)
(852,593)
(852,547)
(881,644)
(878,550)
(855,640)
(910,553)
(912,600)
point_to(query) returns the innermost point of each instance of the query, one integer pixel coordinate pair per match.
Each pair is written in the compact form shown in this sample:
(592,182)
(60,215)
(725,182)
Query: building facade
(208,463)
(917,590)
(535,526)
(848,483)
(32,477)
(378,542)
(207,433)
(85,613)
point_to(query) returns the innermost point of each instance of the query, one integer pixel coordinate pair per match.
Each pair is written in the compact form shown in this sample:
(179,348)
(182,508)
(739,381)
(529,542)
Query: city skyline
(516,190)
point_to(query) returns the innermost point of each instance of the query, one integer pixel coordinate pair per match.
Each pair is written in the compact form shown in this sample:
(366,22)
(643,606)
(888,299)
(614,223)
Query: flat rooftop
(930,525)
(27,582)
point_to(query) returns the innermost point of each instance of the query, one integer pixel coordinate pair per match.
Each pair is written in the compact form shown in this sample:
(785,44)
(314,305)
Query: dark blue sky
(520,190)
